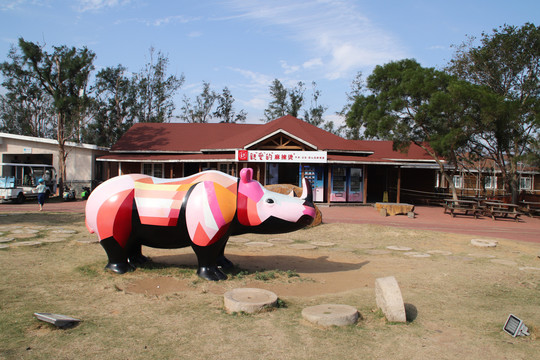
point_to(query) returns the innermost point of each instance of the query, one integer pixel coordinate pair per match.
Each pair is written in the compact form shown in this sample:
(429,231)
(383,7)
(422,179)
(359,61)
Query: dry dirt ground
(457,295)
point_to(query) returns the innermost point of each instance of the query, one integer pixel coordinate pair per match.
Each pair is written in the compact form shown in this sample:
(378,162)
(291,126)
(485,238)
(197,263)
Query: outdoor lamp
(515,327)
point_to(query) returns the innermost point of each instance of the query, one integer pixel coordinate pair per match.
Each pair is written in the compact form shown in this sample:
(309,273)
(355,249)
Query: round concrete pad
(389,299)
(399,248)
(249,300)
(331,314)
(484,243)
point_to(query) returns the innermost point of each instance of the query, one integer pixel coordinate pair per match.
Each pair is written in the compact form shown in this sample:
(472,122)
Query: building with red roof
(280,151)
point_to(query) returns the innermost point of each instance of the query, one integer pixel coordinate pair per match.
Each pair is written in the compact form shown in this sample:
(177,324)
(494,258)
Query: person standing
(41,189)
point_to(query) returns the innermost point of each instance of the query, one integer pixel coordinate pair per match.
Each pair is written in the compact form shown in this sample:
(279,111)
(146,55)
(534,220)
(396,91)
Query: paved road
(427,218)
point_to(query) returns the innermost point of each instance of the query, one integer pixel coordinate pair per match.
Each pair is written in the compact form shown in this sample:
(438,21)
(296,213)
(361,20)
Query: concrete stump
(389,299)
(249,300)
(383,212)
(331,315)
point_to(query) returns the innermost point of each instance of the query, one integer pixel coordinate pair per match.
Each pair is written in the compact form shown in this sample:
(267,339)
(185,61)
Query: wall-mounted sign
(281,156)
(27,150)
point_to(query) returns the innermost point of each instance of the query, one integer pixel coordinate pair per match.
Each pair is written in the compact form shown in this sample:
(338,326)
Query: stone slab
(504,262)
(302,246)
(249,300)
(331,315)
(377,252)
(259,244)
(399,248)
(323,243)
(27,243)
(389,299)
(416,254)
(281,241)
(238,240)
(6,240)
(484,243)
(439,252)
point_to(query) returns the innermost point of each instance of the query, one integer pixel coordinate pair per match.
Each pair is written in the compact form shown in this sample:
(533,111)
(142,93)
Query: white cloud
(312,63)
(289,69)
(94,5)
(336,31)
(8,5)
(163,21)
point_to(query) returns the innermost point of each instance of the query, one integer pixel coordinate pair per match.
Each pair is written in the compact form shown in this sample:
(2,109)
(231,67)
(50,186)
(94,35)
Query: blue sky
(245,44)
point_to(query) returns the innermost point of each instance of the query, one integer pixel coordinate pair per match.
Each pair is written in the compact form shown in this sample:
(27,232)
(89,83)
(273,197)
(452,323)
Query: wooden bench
(463,207)
(532,208)
(500,210)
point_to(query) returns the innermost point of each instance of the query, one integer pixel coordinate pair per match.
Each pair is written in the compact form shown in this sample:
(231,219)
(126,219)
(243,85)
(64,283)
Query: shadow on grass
(411,312)
(252,264)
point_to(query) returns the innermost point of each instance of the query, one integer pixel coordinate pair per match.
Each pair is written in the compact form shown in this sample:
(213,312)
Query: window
(490,182)
(227,168)
(458,181)
(525,183)
(155,170)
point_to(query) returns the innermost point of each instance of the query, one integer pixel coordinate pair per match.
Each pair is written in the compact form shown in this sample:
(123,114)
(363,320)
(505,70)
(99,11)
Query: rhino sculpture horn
(307,192)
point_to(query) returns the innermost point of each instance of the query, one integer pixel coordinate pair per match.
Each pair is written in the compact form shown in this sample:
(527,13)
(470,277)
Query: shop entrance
(282,173)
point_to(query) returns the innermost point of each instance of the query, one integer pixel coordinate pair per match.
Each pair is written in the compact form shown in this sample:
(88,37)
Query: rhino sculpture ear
(246,175)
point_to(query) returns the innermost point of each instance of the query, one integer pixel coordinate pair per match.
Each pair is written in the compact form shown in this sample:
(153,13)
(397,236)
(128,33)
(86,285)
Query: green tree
(114,100)
(507,62)
(296,99)
(201,110)
(155,90)
(25,108)
(356,91)
(314,115)
(225,110)
(278,107)
(409,104)
(63,74)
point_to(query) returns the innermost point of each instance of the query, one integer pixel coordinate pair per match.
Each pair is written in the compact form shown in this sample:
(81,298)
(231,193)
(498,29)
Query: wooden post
(329,186)
(364,195)
(398,197)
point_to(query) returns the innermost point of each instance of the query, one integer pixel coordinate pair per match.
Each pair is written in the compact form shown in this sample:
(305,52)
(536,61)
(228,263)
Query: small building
(280,151)
(82,169)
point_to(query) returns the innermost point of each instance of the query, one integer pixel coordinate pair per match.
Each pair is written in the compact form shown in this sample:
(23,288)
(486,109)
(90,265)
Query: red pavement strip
(426,218)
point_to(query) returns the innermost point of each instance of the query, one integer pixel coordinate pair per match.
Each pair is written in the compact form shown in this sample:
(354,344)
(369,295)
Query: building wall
(80,162)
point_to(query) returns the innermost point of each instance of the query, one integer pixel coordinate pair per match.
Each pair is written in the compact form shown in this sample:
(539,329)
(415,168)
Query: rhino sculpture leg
(208,257)
(118,259)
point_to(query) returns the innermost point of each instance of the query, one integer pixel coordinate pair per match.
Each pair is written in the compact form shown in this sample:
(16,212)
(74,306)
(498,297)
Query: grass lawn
(458,298)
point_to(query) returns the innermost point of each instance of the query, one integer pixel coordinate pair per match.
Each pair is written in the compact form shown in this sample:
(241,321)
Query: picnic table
(532,207)
(394,208)
(497,209)
(465,207)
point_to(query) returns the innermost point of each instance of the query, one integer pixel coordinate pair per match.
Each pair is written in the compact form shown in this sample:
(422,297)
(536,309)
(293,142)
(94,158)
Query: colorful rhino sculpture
(200,211)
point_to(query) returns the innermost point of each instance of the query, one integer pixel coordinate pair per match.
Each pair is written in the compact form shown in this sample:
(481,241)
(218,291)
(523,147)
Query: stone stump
(389,299)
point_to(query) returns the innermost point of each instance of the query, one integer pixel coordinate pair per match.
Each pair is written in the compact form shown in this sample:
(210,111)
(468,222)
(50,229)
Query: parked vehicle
(85,192)
(18,181)
(69,194)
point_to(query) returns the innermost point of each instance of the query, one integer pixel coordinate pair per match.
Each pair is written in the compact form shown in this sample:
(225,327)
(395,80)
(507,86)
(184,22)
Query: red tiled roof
(184,137)
(186,141)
